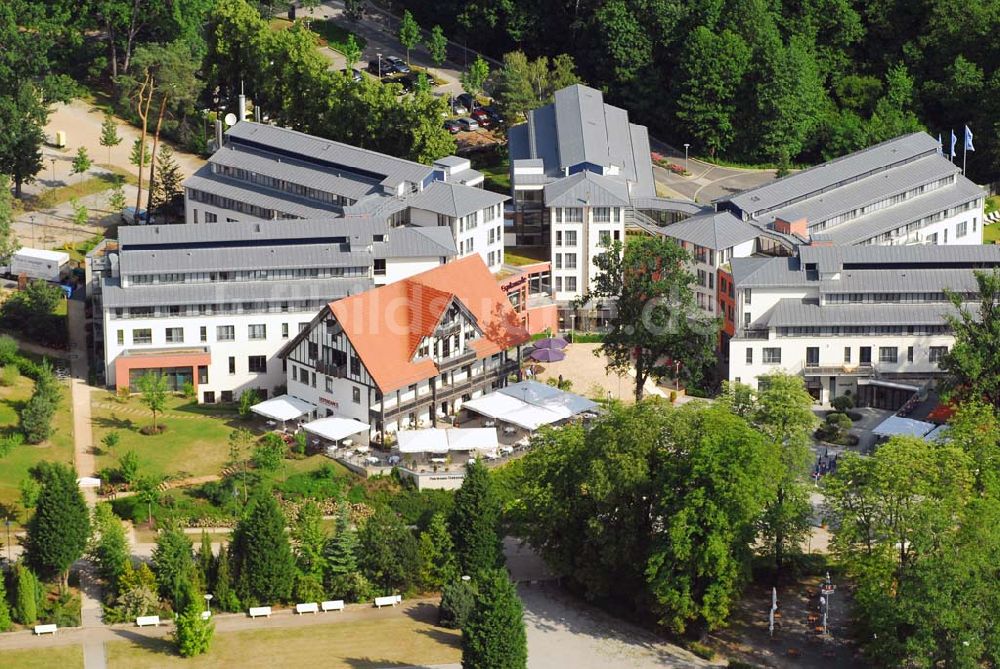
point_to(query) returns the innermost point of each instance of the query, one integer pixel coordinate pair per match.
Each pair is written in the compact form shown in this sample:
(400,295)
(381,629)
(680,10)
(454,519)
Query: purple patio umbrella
(551,342)
(547,355)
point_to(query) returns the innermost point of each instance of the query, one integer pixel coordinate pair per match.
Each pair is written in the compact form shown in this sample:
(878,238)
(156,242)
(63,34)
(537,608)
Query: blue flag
(954,141)
(968,140)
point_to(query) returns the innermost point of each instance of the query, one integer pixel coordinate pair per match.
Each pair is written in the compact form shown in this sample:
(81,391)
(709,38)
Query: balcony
(330,369)
(865,369)
(752,333)
(450,392)
(445,364)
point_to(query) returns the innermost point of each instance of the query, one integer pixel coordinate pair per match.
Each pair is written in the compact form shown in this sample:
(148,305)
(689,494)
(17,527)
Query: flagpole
(965,149)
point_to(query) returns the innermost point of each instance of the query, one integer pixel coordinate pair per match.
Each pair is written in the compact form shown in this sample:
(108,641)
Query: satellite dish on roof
(230,119)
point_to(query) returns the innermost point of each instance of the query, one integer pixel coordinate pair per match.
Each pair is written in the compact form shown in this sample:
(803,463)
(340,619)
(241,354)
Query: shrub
(9,442)
(842,403)
(247,399)
(269,454)
(9,375)
(701,650)
(188,391)
(458,599)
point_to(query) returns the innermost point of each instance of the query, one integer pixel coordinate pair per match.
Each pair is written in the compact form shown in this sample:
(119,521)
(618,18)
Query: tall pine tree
(58,532)
(494,636)
(262,560)
(475,523)
(225,595)
(438,565)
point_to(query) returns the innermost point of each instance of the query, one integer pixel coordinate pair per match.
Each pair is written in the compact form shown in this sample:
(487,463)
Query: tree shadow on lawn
(442,637)
(372,663)
(115,423)
(424,612)
(158,645)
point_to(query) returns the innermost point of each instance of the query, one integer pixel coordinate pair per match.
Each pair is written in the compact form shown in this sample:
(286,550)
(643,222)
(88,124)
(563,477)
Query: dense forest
(764,80)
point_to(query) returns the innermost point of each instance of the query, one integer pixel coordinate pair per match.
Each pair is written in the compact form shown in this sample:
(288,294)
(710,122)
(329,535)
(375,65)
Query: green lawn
(362,644)
(991,233)
(14,468)
(335,36)
(194,444)
(79,187)
(496,172)
(525,255)
(65,657)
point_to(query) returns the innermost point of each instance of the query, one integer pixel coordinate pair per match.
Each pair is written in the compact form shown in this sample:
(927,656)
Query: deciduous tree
(474,78)
(437,45)
(153,387)
(109,134)
(409,33)
(972,366)
(81,162)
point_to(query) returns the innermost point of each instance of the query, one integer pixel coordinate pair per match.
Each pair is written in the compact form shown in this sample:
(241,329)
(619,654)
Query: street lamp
(6,521)
(208,607)
(677,374)
(380,65)
(32,218)
(53,161)
(686,145)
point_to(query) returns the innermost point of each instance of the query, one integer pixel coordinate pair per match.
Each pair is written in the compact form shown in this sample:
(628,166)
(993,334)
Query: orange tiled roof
(385,324)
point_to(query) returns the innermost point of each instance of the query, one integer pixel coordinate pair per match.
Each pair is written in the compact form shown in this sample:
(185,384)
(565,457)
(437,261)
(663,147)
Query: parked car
(480,115)
(387,68)
(467,101)
(458,109)
(354,74)
(398,64)
(407,82)
(468,124)
(494,114)
(452,126)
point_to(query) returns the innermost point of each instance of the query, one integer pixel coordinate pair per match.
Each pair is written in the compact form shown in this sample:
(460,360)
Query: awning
(283,408)
(531,417)
(442,440)
(888,384)
(550,397)
(335,428)
(530,404)
(493,405)
(897,425)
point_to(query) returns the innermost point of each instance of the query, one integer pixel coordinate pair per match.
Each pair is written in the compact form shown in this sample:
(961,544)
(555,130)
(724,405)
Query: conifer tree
(438,565)
(475,523)
(58,532)
(494,636)
(5,619)
(25,595)
(263,564)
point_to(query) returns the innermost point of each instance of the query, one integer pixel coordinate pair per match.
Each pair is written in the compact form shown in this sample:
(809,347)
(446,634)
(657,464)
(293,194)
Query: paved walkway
(90,590)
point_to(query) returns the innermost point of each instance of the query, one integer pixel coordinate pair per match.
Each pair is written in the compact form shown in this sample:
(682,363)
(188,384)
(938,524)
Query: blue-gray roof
(454,199)
(586,189)
(806,313)
(717,230)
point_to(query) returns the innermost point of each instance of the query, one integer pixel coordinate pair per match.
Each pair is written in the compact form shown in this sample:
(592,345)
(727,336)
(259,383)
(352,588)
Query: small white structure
(40,264)
(307,607)
(335,428)
(283,408)
(897,425)
(260,611)
(332,605)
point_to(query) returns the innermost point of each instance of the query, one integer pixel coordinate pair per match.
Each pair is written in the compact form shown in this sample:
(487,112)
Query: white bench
(143,621)
(258,611)
(308,607)
(391,600)
(334,605)
(45,629)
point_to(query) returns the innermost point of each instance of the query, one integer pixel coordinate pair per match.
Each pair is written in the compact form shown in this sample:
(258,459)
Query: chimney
(241,113)
(218,134)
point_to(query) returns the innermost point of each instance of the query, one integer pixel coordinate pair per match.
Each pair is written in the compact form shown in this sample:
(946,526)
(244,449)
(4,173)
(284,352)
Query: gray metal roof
(294,171)
(453,199)
(466,177)
(586,189)
(582,126)
(451,161)
(891,218)
(717,230)
(115,296)
(815,180)
(806,313)
(761,272)
(866,191)
(833,258)
(642,166)
(258,196)
(298,256)
(417,242)
(356,228)
(901,281)
(391,170)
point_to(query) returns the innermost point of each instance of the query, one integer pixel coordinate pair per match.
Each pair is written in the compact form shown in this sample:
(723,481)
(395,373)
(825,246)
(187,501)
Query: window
(601,214)
(604,238)
(355,366)
(559,258)
(571,284)
(295,373)
(570,261)
(749,356)
(812,356)
(772,356)
(572,215)
(962,229)
(313,375)
(909,354)
(203,333)
(747,294)
(746,319)
(232,365)
(208,397)
(329,384)
(257,364)
(225,333)
(847,354)
(866,355)
(312,350)
(571,238)
(211,218)
(888,354)
(937,353)
(559,237)
(284,330)
(121,337)
(356,395)
(257,331)
(142,336)
(559,285)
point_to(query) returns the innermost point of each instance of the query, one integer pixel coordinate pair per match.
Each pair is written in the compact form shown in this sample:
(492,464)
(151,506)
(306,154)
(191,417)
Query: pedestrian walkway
(86,465)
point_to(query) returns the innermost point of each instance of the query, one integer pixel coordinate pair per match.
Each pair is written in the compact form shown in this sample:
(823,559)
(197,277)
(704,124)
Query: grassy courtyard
(66,657)
(14,468)
(395,641)
(195,443)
